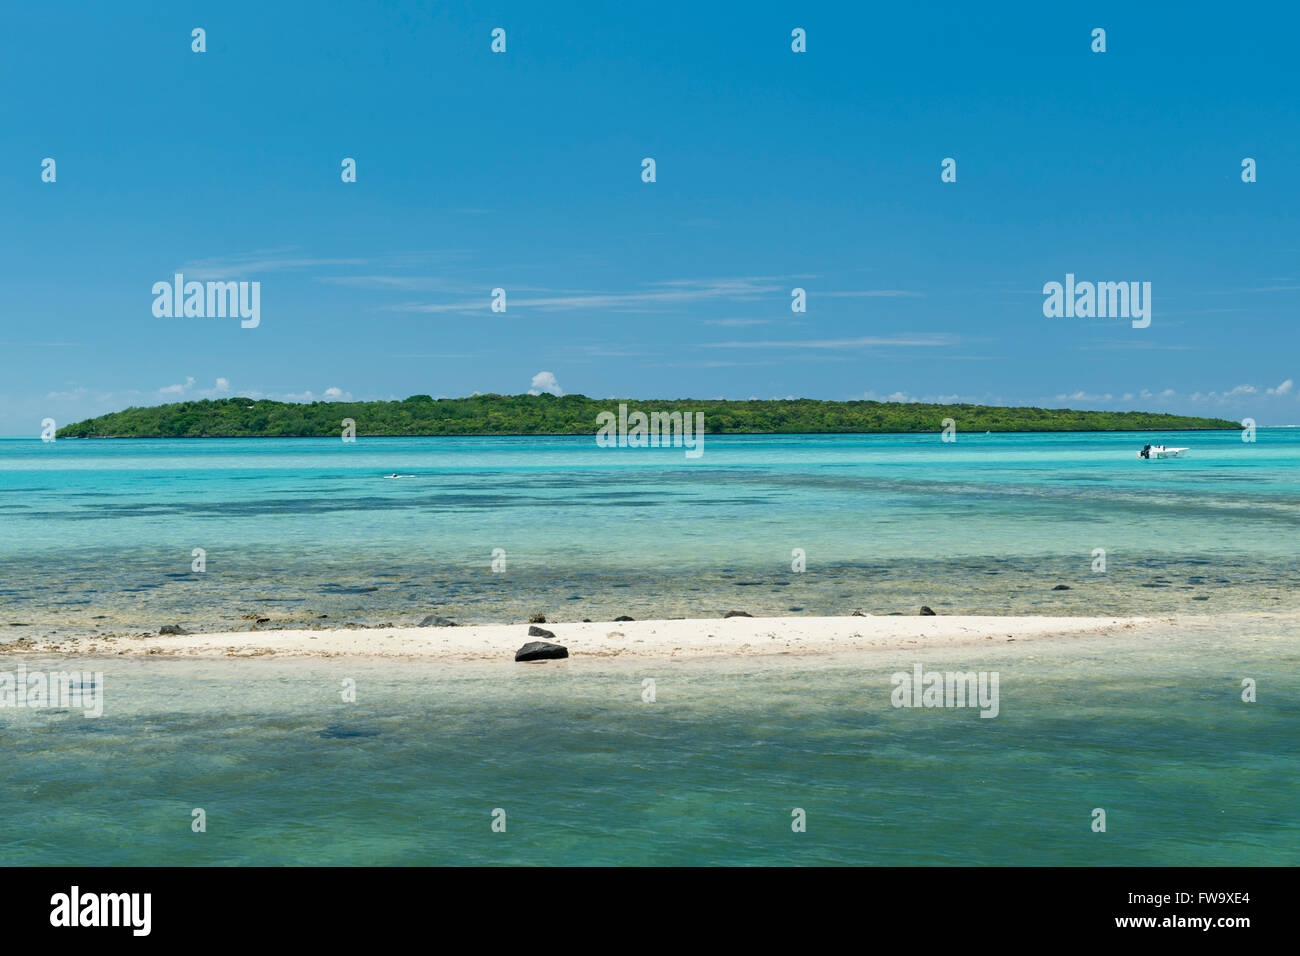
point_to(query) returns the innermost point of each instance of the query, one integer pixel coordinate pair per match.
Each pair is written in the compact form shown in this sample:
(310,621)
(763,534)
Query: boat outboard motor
(1146,452)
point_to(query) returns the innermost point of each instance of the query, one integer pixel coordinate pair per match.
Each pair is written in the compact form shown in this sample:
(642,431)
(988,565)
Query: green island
(576,415)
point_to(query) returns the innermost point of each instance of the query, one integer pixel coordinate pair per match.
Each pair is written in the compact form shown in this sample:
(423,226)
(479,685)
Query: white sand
(733,637)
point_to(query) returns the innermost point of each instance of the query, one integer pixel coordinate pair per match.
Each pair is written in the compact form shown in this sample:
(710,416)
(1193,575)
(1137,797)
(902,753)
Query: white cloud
(330,394)
(545,382)
(1283,389)
(177,389)
(870,396)
(1082,396)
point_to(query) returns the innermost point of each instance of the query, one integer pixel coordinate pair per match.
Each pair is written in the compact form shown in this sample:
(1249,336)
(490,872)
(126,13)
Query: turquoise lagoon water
(99,534)
(1154,732)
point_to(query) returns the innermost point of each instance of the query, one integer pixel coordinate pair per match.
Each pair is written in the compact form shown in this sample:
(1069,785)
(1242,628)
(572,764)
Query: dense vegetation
(576,415)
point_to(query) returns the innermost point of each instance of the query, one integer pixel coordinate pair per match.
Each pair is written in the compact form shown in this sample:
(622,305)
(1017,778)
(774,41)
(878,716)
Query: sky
(774,170)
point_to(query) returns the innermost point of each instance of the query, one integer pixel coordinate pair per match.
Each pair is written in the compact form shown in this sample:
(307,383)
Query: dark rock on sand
(736,614)
(537,619)
(433,620)
(541,651)
(535,631)
(926,611)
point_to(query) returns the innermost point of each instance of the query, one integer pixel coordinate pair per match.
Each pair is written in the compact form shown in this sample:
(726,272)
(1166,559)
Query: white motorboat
(1162,451)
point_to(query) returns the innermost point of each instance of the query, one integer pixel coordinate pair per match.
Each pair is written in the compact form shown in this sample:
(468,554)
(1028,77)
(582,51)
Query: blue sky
(775,170)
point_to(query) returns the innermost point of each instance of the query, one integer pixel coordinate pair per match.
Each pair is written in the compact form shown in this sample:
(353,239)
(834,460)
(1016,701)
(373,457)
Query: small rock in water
(433,620)
(172,629)
(857,614)
(535,631)
(736,614)
(624,617)
(1061,587)
(541,651)
(342,732)
(926,611)
(537,619)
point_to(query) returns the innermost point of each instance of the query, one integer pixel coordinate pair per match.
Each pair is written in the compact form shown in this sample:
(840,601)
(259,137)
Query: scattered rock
(614,634)
(624,617)
(736,614)
(926,611)
(537,619)
(857,614)
(1061,587)
(541,651)
(433,620)
(535,631)
(172,629)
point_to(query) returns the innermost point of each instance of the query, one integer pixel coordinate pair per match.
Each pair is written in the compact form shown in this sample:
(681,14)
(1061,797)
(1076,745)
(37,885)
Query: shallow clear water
(99,534)
(1151,730)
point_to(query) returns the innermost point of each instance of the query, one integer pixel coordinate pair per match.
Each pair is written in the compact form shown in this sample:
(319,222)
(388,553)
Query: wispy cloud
(656,296)
(924,340)
(869,294)
(254,263)
(1138,344)
(653,296)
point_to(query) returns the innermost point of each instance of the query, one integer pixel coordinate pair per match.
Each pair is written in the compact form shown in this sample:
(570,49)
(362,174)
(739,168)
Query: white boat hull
(1159,451)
